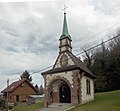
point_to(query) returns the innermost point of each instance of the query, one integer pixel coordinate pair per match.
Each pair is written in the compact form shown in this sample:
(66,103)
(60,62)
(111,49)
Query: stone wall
(87,97)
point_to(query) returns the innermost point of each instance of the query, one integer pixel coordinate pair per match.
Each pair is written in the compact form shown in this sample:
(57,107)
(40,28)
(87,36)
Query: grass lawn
(107,101)
(26,107)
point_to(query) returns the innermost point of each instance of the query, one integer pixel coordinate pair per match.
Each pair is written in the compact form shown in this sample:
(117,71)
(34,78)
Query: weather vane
(64,9)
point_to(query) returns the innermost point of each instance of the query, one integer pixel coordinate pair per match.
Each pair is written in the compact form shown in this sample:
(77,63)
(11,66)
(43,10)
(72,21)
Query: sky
(30,32)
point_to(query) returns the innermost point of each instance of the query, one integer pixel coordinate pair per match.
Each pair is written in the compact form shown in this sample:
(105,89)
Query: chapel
(69,80)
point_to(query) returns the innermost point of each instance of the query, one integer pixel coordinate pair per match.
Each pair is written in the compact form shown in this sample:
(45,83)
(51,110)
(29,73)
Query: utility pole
(7,94)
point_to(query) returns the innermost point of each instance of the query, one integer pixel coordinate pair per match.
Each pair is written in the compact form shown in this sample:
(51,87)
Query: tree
(88,59)
(37,88)
(99,68)
(2,104)
(97,63)
(26,75)
(114,64)
(41,90)
(105,65)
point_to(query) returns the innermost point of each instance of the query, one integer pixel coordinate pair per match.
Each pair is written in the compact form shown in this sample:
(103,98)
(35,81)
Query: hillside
(107,101)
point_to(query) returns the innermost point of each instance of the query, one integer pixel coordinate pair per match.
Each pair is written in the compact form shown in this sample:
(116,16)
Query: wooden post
(7,95)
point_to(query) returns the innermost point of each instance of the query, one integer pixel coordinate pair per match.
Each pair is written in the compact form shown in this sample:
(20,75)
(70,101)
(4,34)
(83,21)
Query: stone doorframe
(48,90)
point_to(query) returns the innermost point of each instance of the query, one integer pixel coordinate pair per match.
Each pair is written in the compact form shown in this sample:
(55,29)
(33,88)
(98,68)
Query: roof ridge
(15,84)
(81,64)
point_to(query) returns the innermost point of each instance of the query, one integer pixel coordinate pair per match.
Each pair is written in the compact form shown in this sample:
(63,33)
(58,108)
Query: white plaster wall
(55,86)
(69,49)
(63,48)
(67,75)
(63,41)
(87,97)
(70,62)
(68,42)
(58,63)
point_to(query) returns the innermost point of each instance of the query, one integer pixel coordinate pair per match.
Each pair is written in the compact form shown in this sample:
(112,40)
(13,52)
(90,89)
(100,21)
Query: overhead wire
(41,70)
(3,85)
(106,35)
(78,53)
(67,59)
(85,50)
(106,29)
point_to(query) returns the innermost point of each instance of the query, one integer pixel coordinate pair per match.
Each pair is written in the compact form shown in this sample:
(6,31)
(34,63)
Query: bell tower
(65,38)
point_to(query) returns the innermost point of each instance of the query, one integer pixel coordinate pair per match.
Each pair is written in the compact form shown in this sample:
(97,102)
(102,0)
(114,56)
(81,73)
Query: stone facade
(66,81)
(75,79)
(87,97)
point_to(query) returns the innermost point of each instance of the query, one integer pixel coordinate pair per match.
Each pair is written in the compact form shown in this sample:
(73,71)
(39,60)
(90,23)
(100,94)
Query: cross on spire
(64,9)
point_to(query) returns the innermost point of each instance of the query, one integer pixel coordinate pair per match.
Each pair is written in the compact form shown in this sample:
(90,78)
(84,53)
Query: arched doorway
(65,93)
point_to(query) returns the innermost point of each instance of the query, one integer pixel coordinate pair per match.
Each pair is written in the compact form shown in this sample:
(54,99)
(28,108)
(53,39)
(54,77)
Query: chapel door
(65,93)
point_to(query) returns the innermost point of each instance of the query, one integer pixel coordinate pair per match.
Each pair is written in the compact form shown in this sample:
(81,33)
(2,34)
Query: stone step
(60,105)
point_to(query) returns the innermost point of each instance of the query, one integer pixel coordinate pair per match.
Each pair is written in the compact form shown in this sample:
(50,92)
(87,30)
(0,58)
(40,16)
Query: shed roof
(15,85)
(37,96)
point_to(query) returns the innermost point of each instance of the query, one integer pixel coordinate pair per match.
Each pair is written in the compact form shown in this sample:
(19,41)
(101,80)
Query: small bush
(2,104)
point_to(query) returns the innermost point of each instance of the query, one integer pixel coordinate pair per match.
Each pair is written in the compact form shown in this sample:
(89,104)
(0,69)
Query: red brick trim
(81,75)
(59,78)
(49,86)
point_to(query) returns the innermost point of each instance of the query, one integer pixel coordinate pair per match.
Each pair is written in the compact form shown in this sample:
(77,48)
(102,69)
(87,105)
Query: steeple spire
(65,28)
(65,38)
(65,32)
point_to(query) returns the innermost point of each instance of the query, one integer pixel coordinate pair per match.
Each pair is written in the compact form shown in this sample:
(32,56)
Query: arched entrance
(65,93)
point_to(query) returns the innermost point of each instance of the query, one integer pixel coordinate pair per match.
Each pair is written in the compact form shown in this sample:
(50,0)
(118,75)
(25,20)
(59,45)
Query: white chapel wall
(70,62)
(55,86)
(63,48)
(67,75)
(63,41)
(87,97)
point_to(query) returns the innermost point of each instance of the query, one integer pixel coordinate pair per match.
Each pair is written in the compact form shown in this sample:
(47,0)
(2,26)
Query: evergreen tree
(105,65)
(41,90)
(37,88)
(26,75)
(99,68)
(114,64)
